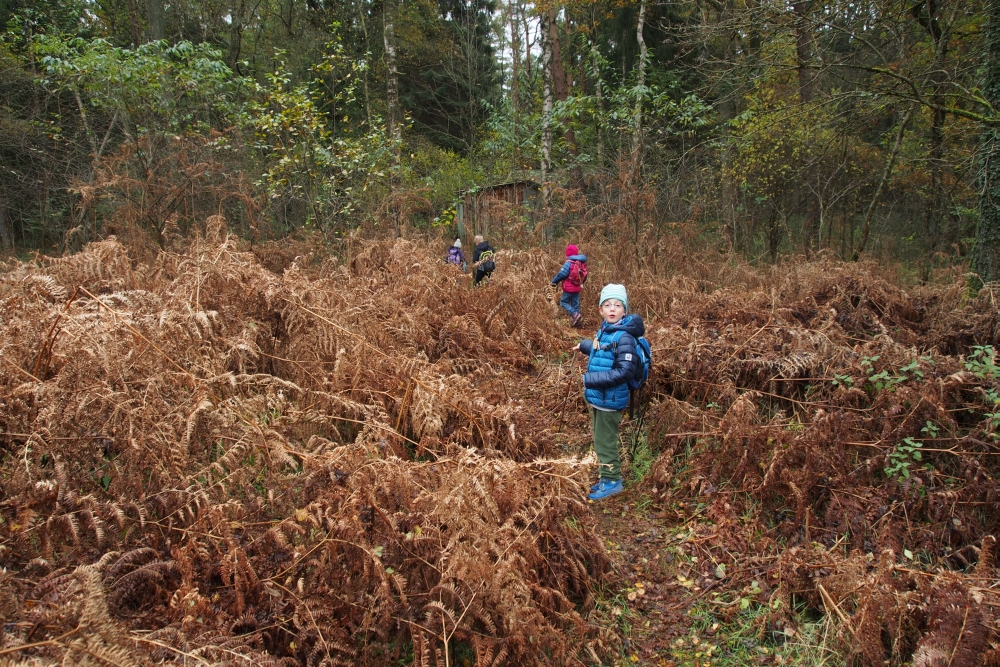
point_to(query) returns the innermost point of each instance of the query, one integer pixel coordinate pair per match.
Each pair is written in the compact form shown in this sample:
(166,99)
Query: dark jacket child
(613,361)
(455,255)
(482,259)
(572,275)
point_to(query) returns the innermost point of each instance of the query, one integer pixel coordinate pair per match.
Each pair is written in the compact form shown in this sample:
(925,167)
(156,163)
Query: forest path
(643,600)
(646,603)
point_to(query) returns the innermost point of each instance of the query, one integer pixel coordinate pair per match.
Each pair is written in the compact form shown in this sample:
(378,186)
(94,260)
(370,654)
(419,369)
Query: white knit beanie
(614,291)
(457,243)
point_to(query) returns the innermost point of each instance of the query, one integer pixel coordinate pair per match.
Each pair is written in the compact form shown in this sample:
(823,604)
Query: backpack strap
(613,345)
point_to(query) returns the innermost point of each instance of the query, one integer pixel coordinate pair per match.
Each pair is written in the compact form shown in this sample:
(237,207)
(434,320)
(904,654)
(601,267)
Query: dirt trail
(643,599)
(658,607)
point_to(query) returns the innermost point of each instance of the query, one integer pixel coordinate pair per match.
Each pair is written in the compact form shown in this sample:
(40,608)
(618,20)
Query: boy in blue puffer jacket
(613,360)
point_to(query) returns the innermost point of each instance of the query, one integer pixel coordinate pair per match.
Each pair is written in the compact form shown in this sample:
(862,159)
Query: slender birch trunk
(515,52)
(547,104)
(640,89)
(364,76)
(515,59)
(392,79)
(392,103)
(599,93)
(886,173)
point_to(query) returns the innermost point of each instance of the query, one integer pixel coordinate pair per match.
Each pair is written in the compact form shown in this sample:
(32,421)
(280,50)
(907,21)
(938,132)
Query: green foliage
(639,456)
(25,18)
(982,361)
(439,175)
(883,380)
(914,368)
(900,457)
(304,158)
(843,380)
(311,154)
(676,112)
(154,88)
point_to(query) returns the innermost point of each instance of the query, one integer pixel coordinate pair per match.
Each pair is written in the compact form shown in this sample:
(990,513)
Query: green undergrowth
(719,638)
(638,456)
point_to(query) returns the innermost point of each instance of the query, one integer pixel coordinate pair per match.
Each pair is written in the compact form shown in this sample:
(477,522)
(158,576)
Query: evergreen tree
(449,79)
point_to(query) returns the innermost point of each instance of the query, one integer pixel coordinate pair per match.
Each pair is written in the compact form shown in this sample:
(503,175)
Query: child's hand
(576,348)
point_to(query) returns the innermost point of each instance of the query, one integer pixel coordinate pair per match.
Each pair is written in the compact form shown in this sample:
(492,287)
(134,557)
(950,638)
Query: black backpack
(486,262)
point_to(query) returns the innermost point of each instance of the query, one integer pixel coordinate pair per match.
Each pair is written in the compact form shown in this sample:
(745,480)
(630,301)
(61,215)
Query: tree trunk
(6,241)
(515,60)
(803,39)
(391,79)
(558,73)
(364,74)
(935,214)
(561,87)
(135,32)
(889,163)
(729,191)
(640,90)
(735,227)
(236,37)
(599,93)
(527,42)
(515,53)
(547,104)
(154,17)
(986,254)
(803,42)
(392,105)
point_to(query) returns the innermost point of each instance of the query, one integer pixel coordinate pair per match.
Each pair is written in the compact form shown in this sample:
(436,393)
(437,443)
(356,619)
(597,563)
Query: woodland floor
(232,455)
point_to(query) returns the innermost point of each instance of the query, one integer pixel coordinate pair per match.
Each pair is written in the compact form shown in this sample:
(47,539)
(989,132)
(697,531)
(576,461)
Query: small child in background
(613,361)
(572,275)
(482,259)
(455,255)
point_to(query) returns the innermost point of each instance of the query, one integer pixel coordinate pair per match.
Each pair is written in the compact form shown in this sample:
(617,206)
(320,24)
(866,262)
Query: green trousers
(606,442)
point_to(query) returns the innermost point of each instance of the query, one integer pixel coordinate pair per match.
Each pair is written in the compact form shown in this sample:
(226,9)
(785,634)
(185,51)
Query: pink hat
(571,249)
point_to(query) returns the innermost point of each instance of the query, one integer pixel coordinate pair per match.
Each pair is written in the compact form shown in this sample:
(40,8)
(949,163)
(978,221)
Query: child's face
(612,311)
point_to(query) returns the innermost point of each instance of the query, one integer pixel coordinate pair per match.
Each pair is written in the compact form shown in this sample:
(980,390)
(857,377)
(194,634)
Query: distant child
(572,275)
(482,259)
(613,361)
(455,255)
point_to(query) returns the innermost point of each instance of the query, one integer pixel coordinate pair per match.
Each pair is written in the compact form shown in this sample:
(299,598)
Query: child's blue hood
(577,258)
(631,324)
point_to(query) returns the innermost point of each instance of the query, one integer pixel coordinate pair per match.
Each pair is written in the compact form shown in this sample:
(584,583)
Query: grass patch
(748,638)
(637,455)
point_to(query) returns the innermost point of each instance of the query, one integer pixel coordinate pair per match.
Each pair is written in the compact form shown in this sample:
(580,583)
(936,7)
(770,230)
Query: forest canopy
(765,128)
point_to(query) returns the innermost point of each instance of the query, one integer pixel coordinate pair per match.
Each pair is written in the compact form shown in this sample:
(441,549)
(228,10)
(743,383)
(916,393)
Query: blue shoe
(596,485)
(606,488)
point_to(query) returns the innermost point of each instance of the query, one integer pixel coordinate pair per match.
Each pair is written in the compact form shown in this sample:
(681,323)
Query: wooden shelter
(486,210)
